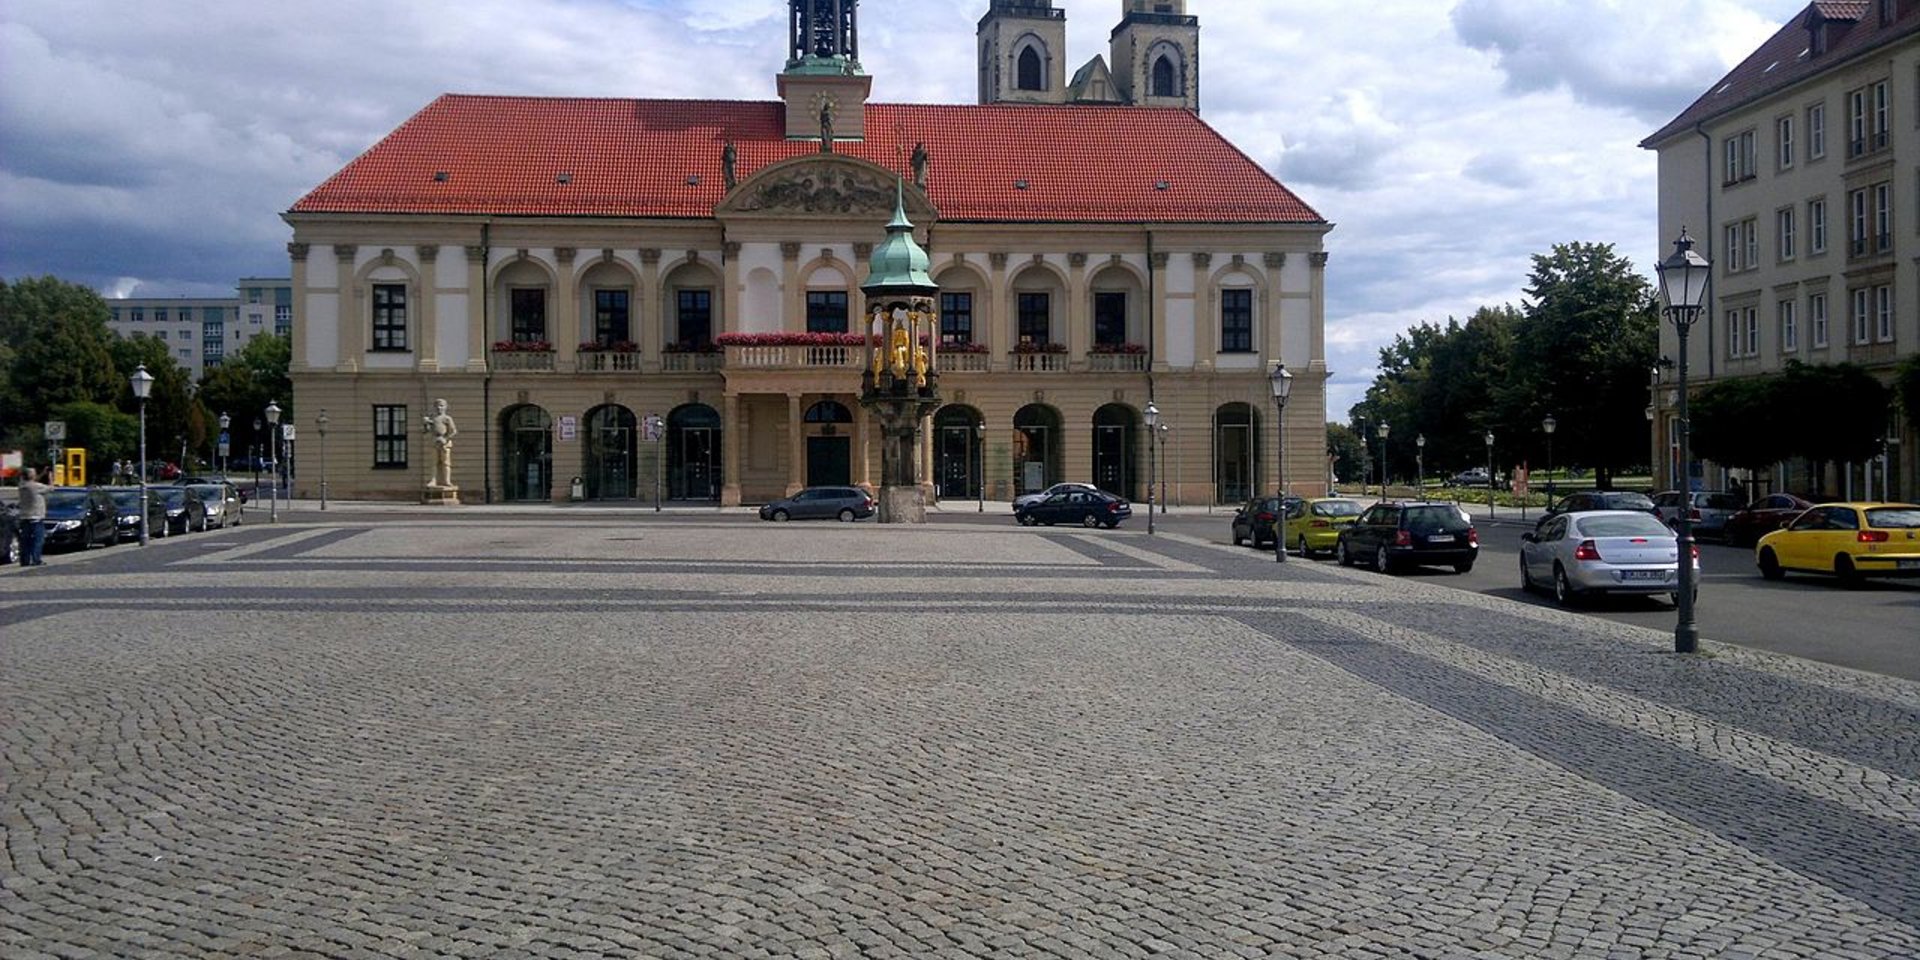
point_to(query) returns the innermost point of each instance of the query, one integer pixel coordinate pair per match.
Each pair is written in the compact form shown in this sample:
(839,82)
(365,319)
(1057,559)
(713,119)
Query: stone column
(796,446)
(477,312)
(563,326)
(1079,311)
(730,428)
(297,253)
(1318,326)
(925,454)
(1206,313)
(426,352)
(1000,315)
(353,322)
(792,300)
(728,300)
(1158,310)
(654,311)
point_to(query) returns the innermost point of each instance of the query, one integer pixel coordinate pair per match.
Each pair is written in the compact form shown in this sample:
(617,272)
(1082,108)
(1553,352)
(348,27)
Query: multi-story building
(1798,174)
(562,271)
(202,331)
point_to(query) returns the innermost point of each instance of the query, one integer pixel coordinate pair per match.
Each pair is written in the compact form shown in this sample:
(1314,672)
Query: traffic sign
(56,430)
(286,433)
(650,429)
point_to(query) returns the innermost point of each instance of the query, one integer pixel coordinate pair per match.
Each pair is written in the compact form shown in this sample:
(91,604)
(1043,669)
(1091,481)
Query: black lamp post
(1683,287)
(1420,464)
(321,422)
(142,382)
(1490,473)
(273,462)
(1384,429)
(1549,425)
(221,446)
(980,472)
(1153,448)
(1165,430)
(1281,382)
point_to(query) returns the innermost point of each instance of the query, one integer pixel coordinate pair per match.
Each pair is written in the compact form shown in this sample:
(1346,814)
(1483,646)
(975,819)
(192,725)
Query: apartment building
(200,332)
(1798,174)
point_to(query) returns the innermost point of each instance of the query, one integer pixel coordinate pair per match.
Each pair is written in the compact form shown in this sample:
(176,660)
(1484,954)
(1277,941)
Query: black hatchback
(79,517)
(1088,508)
(1391,536)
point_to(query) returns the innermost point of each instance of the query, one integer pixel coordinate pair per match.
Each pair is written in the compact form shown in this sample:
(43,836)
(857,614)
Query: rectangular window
(956,318)
(389,437)
(1109,319)
(1857,224)
(611,321)
(1856,123)
(283,319)
(1883,313)
(1783,133)
(1817,223)
(826,311)
(529,314)
(139,314)
(389,316)
(162,334)
(1036,318)
(1817,131)
(1882,116)
(1862,314)
(1883,217)
(1750,234)
(1732,246)
(159,314)
(1236,321)
(1788,236)
(1789,327)
(1817,317)
(1740,157)
(695,318)
(1753,332)
(1733,334)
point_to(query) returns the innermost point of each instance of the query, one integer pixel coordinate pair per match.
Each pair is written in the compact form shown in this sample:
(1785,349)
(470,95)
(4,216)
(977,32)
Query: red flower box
(1130,349)
(1039,348)
(620,346)
(522,346)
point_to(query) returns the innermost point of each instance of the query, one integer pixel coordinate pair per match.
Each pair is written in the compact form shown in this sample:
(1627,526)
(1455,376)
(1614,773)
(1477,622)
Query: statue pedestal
(903,505)
(440,496)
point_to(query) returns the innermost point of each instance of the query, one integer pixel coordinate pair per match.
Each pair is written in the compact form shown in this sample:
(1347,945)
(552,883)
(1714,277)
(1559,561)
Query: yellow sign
(73,473)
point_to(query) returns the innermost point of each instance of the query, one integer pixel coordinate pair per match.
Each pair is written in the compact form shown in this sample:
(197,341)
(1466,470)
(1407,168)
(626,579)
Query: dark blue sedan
(1088,508)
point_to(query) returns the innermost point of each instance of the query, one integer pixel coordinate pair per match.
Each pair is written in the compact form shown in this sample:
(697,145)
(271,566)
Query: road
(1875,627)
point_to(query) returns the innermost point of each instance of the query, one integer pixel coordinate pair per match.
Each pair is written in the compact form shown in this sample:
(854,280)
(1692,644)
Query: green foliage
(1734,423)
(169,405)
(106,433)
(243,386)
(1828,414)
(1907,382)
(1349,458)
(57,334)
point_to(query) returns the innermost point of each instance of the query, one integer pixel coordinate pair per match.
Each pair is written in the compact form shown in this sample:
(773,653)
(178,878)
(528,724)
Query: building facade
(1798,175)
(563,271)
(201,332)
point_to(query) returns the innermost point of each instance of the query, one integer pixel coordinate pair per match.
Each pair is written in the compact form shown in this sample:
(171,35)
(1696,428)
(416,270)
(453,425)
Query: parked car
(1089,508)
(132,512)
(1602,552)
(79,517)
(1849,540)
(1476,477)
(221,503)
(821,503)
(1029,499)
(1253,522)
(10,530)
(1763,516)
(185,512)
(1394,535)
(1313,526)
(1708,510)
(1587,501)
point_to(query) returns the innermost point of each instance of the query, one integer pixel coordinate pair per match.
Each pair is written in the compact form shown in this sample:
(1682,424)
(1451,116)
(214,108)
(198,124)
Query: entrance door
(614,479)
(527,449)
(829,461)
(1110,461)
(699,477)
(956,462)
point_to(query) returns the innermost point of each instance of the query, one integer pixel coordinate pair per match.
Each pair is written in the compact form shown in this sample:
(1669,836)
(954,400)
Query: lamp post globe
(1420,464)
(1382,431)
(142,383)
(1684,276)
(1153,448)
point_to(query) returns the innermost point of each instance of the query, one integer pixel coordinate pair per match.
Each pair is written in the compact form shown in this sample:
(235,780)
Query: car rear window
(1336,508)
(1721,501)
(1628,501)
(1894,518)
(1637,525)
(1436,519)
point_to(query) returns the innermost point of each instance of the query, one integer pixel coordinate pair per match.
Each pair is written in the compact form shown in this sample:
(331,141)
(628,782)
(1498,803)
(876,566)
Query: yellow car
(1848,540)
(1313,526)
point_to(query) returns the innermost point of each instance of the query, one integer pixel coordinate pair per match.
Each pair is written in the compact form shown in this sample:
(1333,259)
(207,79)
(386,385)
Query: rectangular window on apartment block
(1817,226)
(956,318)
(1856,123)
(1783,135)
(611,321)
(1236,321)
(1753,332)
(1882,116)
(1883,217)
(390,437)
(826,311)
(389,316)
(1817,319)
(694,315)
(1857,223)
(1036,318)
(1109,319)
(1862,315)
(1817,131)
(1789,327)
(1789,237)
(1733,334)
(1883,313)
(159,314)
(1750,235)
(1732,248)
(528,307)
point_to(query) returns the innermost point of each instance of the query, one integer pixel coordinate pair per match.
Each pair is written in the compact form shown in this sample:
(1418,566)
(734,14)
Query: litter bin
(579,489)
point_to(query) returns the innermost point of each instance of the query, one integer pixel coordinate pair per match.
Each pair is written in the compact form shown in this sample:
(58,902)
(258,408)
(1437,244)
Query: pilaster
(478,358)
(1158,306)
(796,447)
(862,447)
(654,309)
(353,324)
(730,428)
(730,289)
(563,327)
(1001,322)
(1206,313)
(792,298)
(427,351)
(1319,324)
(297,253)
(1079,313)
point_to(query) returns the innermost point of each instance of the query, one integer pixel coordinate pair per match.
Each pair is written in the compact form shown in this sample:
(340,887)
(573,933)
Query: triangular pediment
(824,185)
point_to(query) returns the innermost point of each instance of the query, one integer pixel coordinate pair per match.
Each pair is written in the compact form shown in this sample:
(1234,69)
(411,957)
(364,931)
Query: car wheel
(1237,538)
(1563,592)
(781,516)
(1770,566)
(1026,519)
(10,553)
(1463,568)
(1089,521)
(1844,569)
(1381,562)
(113,539)
(1305,554)
(846,515)
(1526,578)
(1340,555)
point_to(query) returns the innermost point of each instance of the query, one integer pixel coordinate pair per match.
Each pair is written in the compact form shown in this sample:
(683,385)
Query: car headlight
(67,525)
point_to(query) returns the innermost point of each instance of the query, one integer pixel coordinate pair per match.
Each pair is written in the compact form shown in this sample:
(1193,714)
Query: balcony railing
(1117,362)
(795,357)
(692,362)
(607,361)
(951,362)
(1039,362)
(523,361)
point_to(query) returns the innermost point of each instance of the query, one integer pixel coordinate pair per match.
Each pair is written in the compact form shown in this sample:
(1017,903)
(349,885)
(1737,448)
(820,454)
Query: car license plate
(1907,565)
(1443,538)
(1644,575)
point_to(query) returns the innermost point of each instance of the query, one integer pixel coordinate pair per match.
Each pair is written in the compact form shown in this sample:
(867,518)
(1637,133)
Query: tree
(1907,381)
(57,337)
(1833,413)
(1735,422)
(1349,457)
(244,385)
(107,434)
(170,405)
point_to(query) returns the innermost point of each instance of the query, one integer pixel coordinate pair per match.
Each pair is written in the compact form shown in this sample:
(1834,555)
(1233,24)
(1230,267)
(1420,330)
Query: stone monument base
(903,505)
(441,496)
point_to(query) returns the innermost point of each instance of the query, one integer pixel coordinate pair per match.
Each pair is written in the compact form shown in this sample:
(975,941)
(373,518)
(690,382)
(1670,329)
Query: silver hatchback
(1603,552)
(1709,510)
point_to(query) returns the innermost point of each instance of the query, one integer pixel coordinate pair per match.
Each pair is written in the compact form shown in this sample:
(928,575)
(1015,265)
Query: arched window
(1166,81)
(1032,72)
(827,411)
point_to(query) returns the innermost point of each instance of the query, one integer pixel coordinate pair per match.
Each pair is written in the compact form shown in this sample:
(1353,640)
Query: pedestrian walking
(33,518)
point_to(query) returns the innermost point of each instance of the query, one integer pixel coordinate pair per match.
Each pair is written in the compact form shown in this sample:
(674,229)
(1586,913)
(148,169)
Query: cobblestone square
(617,737)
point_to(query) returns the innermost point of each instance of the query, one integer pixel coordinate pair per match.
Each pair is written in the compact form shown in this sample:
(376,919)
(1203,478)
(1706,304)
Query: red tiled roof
(634,158)
(1785,59)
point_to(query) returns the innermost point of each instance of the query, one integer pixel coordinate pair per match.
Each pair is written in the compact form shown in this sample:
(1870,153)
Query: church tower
(824,88)
(1023,52)
(1156,54)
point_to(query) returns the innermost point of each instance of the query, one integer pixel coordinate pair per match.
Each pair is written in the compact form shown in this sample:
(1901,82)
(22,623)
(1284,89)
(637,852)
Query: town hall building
(645,293)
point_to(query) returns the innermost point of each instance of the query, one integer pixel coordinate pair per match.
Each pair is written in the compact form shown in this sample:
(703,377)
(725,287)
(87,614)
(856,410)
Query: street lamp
(1489,473)
(1549,425)
(1281,381)
(1420,464)
(980,472)
(1683,287)
(1153,448)
(221,447)
(321,422)
(1382,431)
(142,388)
(1165,429)
(254,446)
(273,468)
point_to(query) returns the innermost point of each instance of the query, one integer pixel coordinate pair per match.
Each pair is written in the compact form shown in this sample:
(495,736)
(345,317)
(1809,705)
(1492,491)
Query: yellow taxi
(1313,526)
(1848,540)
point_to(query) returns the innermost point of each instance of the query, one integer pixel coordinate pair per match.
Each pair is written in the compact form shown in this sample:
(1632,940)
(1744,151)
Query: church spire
(824,88)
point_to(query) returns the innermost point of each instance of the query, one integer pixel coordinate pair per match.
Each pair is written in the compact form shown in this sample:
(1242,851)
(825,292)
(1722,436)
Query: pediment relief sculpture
(824,185)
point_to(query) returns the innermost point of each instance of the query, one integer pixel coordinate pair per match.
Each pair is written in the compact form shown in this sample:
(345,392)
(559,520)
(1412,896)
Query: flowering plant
(963,348)
(617,346)
(1132,349)
(1029,347)
(522,346)
(792,340)
(691,346)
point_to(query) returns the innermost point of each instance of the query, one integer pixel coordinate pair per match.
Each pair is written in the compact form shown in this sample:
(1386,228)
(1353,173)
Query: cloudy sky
(149,148)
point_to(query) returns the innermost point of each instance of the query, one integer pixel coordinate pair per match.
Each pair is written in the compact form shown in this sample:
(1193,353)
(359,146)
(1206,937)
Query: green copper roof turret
(899,264)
